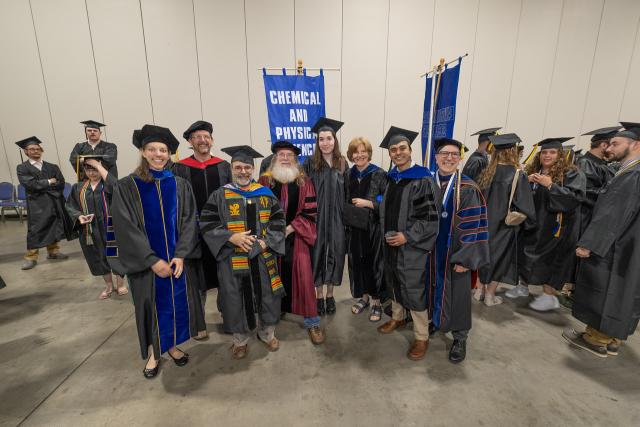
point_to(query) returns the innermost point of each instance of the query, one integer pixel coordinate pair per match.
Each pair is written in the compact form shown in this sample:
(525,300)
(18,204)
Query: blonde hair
(505,156)
(356,143)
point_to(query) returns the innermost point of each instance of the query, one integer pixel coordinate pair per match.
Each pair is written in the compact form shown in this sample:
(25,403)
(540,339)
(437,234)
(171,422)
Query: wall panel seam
(513,67)
(95,66)
(473,61)
(626,81)
(386,76)
(195,38)
(553,71)
(246,58)
(146,60)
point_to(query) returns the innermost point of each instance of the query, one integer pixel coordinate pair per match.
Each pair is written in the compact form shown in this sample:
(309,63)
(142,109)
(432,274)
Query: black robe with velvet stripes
(136,256)
(330,249)
(475,165)
(47,219)
(93,240)
(204,180)
(546,256)
(463,239)
(607,294)
(409,206)
(104,148)
(247,286)
(364,247)
(505,239)
(597,173)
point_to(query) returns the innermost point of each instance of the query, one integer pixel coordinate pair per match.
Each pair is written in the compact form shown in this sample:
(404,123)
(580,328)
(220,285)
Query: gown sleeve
(30,182)
(275,229)
(188,245)
(470,248)
(74,155)
(523,201)
(567,197)
(135,253)
(110,155)
(213,230)
(422,223)
(304,223)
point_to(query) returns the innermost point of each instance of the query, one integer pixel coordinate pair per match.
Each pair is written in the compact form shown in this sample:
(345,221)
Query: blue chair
(7,200)
(67,190)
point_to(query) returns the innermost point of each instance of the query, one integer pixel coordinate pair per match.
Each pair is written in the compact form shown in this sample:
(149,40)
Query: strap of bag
(513,187)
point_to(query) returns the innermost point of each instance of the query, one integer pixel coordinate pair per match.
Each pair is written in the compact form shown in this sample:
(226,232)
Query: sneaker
(545,302)
(28,264)
(577,340)
(613,348)
(518,291)
(57,256)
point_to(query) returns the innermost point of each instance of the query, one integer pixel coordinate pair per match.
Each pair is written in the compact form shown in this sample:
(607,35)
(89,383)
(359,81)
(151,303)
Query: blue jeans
(310,322)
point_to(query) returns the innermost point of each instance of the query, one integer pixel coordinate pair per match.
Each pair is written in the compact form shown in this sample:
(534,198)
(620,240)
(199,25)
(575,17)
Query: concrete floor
(67,358)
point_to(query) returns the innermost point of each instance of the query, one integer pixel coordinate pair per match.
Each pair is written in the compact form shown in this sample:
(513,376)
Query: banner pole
(427,155)
(435,87)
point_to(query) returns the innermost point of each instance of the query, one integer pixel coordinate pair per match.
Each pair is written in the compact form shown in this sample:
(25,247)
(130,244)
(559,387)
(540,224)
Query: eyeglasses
(201,138)
(285,155)
(452,154)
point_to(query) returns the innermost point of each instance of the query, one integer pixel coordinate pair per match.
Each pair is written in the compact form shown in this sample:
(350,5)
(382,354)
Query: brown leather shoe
(239,351)
(272,345)
(317,335)
(390,326)
(418,350)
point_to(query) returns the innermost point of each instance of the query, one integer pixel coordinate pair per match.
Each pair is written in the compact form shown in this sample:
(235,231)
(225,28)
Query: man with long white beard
(298,201)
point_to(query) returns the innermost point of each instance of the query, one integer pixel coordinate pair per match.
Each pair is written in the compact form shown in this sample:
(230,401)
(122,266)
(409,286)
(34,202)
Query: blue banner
(294,105)
(445,111)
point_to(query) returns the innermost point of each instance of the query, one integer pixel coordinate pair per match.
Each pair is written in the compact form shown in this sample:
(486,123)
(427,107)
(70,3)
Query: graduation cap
(153,133)
(483,135)
(603,134)
(395,135)
(92,124)
(80,162)
(199,125)
(631,130)
(32,140)
(285,145)
(441,142)
(548,143)
(504,141)
(324,124)
(242,153)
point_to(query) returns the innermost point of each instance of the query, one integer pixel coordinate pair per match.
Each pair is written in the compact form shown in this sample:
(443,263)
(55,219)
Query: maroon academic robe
(300,206)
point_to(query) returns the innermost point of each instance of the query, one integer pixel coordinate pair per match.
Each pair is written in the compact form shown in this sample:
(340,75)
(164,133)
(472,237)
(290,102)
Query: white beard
(284,174)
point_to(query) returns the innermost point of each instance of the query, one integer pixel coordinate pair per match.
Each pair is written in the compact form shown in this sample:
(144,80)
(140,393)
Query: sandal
(122,291)
(376,313)
(105,294)
(359,307)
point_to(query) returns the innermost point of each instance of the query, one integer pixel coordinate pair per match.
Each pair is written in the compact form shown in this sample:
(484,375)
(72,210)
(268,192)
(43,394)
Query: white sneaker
(545,302)
(491,300)
(518,291)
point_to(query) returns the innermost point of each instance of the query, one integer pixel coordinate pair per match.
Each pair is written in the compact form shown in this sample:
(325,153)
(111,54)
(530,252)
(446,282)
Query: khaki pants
(32,254)
(420,320)
(595,337)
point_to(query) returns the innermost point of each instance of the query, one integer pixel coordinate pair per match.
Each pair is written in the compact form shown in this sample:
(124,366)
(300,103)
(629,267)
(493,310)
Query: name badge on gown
(445,214)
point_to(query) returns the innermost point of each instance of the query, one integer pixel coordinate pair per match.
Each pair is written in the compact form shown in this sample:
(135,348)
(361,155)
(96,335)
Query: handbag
(514,218)
(355,217)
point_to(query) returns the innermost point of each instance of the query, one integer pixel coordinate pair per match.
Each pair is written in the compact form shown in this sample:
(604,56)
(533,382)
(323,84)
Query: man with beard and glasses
(607,296)
(244,227)
(206,173)
(298,201)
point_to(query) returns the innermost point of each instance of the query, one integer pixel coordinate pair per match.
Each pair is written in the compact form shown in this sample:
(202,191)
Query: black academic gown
(475,165)
(159,313)
(107,149)
(463,239)
(47,219)
(249,283)
(607,295)
(597,173)
(330,249)
(204,181)
(364,247)
(546,253)
(504,239)
(93,240)
(409,206)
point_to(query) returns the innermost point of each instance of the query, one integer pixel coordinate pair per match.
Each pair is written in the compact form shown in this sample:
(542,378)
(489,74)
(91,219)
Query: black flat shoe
(151,373)
(458,351)
(331,305)
(181,361)
(320,303)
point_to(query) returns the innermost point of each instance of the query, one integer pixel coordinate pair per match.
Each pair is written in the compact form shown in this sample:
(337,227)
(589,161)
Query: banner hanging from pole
(294,105)
(443,88)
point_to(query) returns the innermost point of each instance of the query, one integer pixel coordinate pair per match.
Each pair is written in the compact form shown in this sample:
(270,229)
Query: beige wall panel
(454,35)
(535,55)
(318,41)
(220,34)
(576,47)
(630,108)
(124,89)
(173,64)
(611,65)
(270,43)
(405,89)
(364,60)
(497,34)
(69,73)
(23,102)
